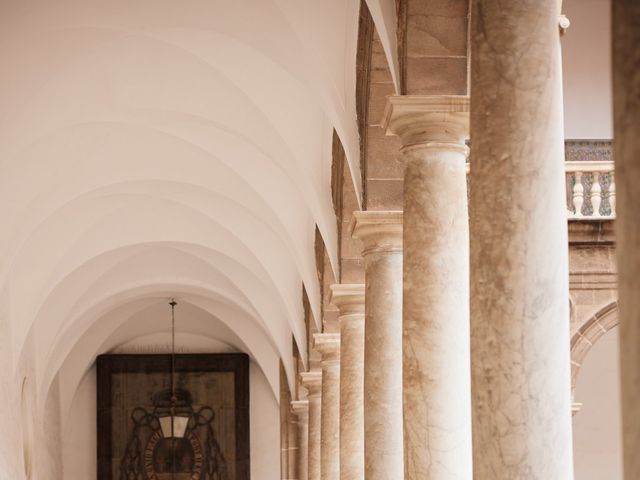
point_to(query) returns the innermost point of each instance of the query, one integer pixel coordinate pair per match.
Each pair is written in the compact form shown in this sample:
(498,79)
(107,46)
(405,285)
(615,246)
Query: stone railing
(591,188)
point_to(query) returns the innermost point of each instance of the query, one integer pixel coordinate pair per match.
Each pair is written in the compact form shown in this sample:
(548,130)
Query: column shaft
(519,248)
(626,109)
(328,344)
(301,410)
(285,443)
(313,383)
(350,301)
(436,351)
(381,234)
(294,446)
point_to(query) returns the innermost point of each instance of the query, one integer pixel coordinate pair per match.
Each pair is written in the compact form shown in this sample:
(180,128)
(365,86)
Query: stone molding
(348,297)
(419,119)
(380,231)
(328,345)
(300,408)
(593,281)
(312,381)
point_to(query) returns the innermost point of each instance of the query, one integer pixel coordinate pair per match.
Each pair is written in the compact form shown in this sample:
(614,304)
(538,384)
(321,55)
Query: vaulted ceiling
(157,149)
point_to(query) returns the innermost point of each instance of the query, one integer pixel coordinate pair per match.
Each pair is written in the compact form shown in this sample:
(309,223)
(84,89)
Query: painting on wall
(197,429)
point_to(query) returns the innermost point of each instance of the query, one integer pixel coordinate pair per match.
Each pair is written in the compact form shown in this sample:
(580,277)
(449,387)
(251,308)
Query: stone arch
(600,323)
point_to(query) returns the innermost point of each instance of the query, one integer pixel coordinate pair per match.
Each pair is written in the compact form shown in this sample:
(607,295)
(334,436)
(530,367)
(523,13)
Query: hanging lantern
(173,440)
(173,426)
(174,419)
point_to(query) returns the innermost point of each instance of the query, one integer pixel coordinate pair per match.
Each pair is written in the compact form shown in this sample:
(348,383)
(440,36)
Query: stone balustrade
(591,190)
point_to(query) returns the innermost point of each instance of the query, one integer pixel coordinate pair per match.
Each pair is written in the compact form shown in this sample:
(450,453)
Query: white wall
(79,444)
(586,52)
(265,428)
(597,428)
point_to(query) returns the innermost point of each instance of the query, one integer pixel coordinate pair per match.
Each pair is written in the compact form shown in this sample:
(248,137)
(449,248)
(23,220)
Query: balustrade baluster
(577,196)
(612,194)
(596,194)
(600,190)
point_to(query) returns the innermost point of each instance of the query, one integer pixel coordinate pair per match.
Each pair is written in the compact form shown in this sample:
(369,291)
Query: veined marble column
(436,350)
(300,409)
(626,113)
(312,381)
(328,345)
(521,385)
(381,235)
(350,301)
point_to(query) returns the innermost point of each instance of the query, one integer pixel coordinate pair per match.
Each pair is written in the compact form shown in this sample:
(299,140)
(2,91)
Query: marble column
(312,381)
(350,301)
(285,414)
(436,350)
(294,446)
(626,113)
(381,235)
(300,409)
(328,345)
(521,383)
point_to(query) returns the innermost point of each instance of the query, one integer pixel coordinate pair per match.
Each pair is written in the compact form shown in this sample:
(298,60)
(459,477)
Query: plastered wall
(586,59)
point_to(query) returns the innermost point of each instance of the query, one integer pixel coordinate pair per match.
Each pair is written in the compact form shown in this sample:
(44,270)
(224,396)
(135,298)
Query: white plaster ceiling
(155,148)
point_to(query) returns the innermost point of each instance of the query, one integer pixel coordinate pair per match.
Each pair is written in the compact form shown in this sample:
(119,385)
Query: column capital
(563,23)
(427,119)
(312,381)
(300,408)
(380,231)
(348,297)
(328,344)
(575,408)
